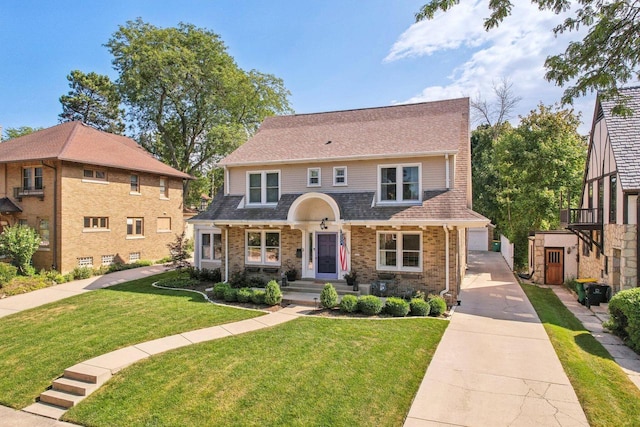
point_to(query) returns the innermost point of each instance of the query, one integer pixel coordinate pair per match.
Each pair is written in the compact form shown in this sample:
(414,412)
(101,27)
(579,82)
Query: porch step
(60,398)
(69,385)
(87,373)
(308,286)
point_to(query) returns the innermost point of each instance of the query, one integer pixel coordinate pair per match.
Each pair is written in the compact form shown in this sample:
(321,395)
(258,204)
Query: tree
(190,102)
(179,251)
(11,133)
(604,60)
(94,100)
(19,243)
(537,162)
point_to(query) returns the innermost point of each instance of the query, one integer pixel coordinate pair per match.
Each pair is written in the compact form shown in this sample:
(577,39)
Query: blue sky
(332,55)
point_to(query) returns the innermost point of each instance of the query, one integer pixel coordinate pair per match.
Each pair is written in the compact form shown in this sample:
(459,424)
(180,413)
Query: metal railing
(19,192)
(581,216)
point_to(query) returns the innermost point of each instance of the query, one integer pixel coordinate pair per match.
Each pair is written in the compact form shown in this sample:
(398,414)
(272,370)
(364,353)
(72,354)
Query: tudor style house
(95,198)
(384,192)
(607,220)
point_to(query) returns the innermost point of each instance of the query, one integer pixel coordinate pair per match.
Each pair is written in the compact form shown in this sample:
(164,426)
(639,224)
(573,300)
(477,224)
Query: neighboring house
(607,219)
(379,191)
(553,256)
(95,198)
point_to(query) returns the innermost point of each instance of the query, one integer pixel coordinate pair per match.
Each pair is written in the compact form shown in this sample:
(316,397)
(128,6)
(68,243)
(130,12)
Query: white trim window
(399,251)
(211,246)
(314,178)
(263,188)
(339,176)
(262,247)
(399,183)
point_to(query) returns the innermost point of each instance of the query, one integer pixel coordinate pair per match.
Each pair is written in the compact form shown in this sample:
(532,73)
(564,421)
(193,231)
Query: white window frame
(263,188)
(263,247)
(212,246)
(399,183)
(318,177)
(399,252)
(335,176)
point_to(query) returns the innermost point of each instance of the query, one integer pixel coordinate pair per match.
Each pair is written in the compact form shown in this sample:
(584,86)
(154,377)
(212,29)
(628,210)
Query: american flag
(343,252)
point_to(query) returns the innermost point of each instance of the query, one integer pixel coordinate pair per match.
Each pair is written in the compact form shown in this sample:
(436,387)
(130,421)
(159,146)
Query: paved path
(16,303)
(495,365)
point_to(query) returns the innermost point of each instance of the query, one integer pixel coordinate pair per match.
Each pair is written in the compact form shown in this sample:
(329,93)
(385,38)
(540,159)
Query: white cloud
(516,50)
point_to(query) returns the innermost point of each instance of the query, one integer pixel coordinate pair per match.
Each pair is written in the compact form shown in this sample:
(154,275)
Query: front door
(327,260)
(554,266)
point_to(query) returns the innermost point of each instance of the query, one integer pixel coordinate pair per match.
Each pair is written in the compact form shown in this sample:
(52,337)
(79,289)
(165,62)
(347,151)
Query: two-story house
(606,221)
(379,191)
(95,198)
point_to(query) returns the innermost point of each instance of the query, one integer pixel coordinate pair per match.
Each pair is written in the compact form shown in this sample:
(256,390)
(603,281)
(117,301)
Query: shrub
(257,282)
(68,277)
(257,297)
(19,242)
(419,307)
(178,251)
(82,273)
(7,272)
(328,296)
(624,309)
(231,294)
(239,279)
(60,278)
(397,307)
(438,305)
(272,293)
(349,304)
(369,304)
(22,284)
(244,294)
(219,290)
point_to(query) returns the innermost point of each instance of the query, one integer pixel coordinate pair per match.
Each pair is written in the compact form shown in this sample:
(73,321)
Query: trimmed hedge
(231,294)
(219,289)
(369,305)
(328,296)
(257,297)
(438,305)
(624,309)
(244,294)
(397,307)
(419,307)
(349,304)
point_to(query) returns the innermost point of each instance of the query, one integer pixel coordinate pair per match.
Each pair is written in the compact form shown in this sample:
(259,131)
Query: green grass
(309,371)
(38,344)
(606,394)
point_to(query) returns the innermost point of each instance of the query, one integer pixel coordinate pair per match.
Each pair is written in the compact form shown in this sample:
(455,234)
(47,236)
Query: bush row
(371,305)
(204,274)
(624,309)
(271,295)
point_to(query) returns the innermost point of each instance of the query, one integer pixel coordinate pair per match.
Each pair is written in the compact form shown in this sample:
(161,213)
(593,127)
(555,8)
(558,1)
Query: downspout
(226,255)
(637,239)
(446,260)
(55,215)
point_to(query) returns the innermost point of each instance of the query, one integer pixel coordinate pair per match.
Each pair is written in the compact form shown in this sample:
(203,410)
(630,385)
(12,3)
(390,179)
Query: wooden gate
(553,266)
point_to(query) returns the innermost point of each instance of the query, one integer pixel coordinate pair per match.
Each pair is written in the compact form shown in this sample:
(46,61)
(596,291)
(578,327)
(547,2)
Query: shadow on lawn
(144,286)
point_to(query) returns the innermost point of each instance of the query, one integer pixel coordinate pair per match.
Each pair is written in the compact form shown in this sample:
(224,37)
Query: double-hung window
(263,187)
(135,184)
(164,188)
(399,183)
(32,179)
(211,246)
(263,247)
(135,227)
(313,177)
(339,175)
(401,251)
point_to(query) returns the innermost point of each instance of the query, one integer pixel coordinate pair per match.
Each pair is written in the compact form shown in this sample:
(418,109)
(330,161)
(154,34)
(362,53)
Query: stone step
(79,388)
(87,373)
(60,398)
(46,410)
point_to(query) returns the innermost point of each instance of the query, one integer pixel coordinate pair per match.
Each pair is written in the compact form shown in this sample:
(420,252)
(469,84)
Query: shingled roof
(80,143)
(624,135)
(400,130)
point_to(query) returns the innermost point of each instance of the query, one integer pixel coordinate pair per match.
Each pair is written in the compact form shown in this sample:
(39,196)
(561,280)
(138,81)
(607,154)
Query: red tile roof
(401,130)
(80,143)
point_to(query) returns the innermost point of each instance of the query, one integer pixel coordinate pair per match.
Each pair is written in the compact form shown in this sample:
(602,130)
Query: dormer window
(263,188)
(399,183)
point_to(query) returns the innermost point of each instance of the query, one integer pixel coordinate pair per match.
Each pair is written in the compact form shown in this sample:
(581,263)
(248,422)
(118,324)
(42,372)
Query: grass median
(38,344)
(605,392)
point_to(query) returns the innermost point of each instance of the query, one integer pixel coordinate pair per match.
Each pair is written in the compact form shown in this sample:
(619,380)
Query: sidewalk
(495,365)
(16,303)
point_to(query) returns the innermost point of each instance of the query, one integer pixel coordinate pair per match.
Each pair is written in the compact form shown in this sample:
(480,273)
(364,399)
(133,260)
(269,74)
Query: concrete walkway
(495,365)
(17,303)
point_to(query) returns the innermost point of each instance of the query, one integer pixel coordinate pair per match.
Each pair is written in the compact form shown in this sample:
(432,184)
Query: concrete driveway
(495,365)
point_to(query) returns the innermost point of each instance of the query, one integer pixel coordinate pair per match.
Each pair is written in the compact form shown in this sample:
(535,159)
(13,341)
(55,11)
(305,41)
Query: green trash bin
(495,247)
(582,295)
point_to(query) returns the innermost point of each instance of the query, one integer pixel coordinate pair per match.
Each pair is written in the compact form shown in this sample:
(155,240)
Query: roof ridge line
(76,123)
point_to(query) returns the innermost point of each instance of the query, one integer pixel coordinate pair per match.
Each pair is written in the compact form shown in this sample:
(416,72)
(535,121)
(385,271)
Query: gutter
(446,260)
(55,215)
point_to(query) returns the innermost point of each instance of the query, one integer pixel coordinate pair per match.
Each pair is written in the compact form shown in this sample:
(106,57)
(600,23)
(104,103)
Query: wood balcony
(582,222)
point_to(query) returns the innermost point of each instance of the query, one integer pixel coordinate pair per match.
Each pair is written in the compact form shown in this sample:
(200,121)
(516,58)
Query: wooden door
(554,266)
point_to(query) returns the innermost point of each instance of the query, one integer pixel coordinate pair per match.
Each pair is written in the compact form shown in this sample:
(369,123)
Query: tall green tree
(10,133)
(190,102)
(536,162)
(94,100)
(604,60)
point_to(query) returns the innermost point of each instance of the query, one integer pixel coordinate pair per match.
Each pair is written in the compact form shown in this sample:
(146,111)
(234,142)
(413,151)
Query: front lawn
(38,344)
(309,371)
(606,394)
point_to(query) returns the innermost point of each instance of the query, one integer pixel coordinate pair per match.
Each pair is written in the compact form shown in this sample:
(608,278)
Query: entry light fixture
(323,225)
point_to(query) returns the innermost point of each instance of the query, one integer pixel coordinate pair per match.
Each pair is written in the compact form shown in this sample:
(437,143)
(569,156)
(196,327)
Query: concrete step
(69,385)
(60,398)
(316,287)
(87,373)
(46,410)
